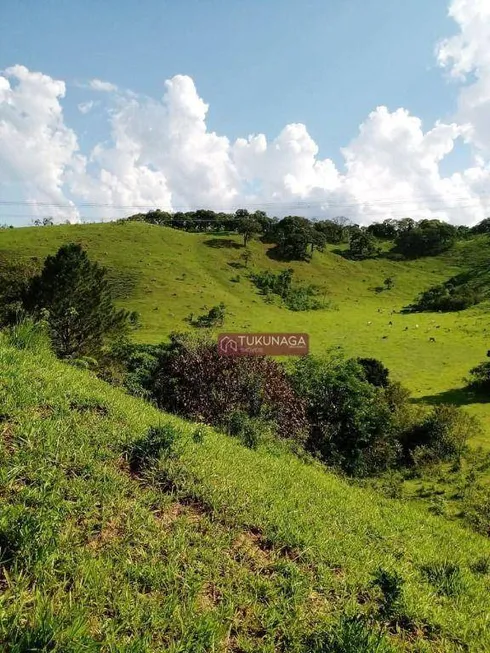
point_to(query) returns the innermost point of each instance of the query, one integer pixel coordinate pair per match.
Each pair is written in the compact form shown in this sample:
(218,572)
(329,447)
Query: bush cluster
(194,380)
(297,297)
(446,297)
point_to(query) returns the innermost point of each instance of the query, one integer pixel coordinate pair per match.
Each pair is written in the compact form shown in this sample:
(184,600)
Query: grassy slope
(178,273)
(248,551)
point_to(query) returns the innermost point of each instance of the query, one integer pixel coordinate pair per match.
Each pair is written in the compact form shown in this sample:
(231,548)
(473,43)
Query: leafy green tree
(482,227)
(74,293)
(388,283)
(428,238)
(362,245)
(248,228)
(214,317)
(334,232)
(441,436)
(246,257)
(385,230)
(480,377)
(296,238)
(405,224)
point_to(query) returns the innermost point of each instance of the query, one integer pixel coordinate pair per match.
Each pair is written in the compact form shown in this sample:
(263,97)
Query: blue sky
(260,65)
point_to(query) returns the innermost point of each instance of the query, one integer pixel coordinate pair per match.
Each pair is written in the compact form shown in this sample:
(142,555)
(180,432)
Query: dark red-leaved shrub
(193,380)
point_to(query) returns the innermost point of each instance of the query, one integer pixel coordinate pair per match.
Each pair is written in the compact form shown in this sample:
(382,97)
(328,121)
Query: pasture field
(167,275)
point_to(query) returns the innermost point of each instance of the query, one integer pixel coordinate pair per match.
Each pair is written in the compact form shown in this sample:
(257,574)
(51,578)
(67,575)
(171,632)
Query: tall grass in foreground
(125,529)
(28,334)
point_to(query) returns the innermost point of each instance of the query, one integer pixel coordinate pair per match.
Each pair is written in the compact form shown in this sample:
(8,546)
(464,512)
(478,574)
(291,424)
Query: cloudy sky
(363,108)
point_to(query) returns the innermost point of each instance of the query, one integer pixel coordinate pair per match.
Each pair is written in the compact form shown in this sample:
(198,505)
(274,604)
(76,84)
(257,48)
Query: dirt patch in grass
(247,550)
(110,532)
(209,597)
(191,512)
(43,411)
(7,433)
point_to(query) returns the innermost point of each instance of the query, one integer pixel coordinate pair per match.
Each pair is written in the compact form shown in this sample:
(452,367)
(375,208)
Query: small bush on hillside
(476,508)
(376,373)
(446,297)
(391,587)
(297,297)
(440,437)
(250,431)
(194,380)
(132,366)
(481,566)
(28,334)
(446,577)
(304,298)
(480,377)
(214,317)
(159,441)
(351,423)
(350,635)
(389,283)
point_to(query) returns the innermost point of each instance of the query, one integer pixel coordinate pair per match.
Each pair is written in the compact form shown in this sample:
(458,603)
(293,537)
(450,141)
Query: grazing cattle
(405,329)
(390,323)
(416,326)
(369,323)
(432,339)
(385,337)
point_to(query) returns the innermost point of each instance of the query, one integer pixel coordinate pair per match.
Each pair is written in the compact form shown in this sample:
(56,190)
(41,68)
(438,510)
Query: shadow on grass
(455,397)
(222,243)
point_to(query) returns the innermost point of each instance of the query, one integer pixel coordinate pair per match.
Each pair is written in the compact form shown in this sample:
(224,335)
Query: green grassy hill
(212,547)
(166,275)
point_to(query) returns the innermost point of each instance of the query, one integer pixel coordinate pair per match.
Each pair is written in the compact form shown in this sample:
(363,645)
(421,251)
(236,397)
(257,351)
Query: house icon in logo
(227,345)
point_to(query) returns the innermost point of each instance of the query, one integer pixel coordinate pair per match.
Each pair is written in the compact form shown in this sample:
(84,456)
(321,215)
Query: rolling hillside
(210,546)
(166,275)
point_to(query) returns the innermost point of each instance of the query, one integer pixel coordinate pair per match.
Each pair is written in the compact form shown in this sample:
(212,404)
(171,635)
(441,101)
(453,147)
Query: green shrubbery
(441,436)
(251,431)
(426,238)
(159,441)
(450,296)
(480,377)
(297,297)
(28,334)
(73,297)
(476,507)
(351,421)
(213,318)
(347,412)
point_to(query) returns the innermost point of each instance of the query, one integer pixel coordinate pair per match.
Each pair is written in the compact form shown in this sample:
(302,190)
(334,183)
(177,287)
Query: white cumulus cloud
(99,85)
(467,58)
(160,152)
(85,107)
(36,147)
